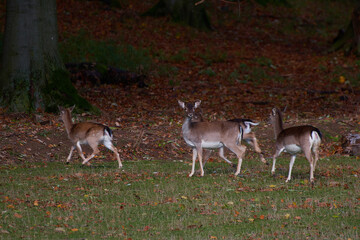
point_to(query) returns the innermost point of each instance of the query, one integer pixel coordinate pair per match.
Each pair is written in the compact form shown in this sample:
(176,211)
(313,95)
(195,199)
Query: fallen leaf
(60,229)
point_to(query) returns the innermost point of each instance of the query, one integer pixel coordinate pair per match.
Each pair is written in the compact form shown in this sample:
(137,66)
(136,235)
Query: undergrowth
(82,48)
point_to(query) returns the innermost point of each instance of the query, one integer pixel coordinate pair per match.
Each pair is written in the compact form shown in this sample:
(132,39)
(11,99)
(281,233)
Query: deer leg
(108,144)
(316,153)
(277,153)
(308,155)
(70,154)
(258,150)
(242,149)
(94,146)
(78,147)
(207,155)
(221,154)
(200,161)
(292,160)
(239,150)
(315,150)
(193,162)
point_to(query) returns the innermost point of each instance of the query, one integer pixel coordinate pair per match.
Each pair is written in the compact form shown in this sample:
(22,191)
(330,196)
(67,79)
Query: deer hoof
(312,183)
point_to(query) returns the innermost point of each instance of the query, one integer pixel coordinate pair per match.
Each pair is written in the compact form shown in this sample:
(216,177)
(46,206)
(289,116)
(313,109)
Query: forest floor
(266,57)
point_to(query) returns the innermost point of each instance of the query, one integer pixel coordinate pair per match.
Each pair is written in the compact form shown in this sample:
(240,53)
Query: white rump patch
(314,139)
(106,140)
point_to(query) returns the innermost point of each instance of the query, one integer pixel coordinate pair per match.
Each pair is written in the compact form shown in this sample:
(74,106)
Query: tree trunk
(184,11)
(349,40)
(33,76)
(356,26)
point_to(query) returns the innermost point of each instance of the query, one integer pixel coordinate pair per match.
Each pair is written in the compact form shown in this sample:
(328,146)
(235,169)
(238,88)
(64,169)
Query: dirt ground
(25,141)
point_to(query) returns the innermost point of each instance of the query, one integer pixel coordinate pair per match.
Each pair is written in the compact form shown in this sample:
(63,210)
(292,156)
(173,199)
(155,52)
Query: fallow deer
(201,135)
(248,136)
(87,133)
(294,140)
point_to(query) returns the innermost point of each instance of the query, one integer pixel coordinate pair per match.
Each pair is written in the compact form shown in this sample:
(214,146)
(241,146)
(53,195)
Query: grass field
(156,200)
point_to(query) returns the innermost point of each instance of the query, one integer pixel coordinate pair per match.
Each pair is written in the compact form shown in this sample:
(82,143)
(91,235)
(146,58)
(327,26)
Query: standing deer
(248,136)
(87,133)
(210,135)
(294,140)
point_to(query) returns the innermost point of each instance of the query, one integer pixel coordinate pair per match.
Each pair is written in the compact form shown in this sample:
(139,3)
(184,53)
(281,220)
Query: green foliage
(60,92)
(350,74)
(208,71)
(82,48)
(182,11)
(260,71)
(167,70)
(180,56)
(156,200)
(274,2)
(210,56)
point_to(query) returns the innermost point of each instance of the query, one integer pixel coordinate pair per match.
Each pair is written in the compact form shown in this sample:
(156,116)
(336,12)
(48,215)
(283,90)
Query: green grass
(156,200)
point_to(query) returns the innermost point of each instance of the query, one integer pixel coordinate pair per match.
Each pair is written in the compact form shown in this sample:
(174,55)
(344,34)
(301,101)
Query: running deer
(294,140)
(248,136)
(87,133)
(201,135)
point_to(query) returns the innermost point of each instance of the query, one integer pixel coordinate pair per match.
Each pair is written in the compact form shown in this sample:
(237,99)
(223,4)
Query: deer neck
(186,124)
(68,122)
(277,124)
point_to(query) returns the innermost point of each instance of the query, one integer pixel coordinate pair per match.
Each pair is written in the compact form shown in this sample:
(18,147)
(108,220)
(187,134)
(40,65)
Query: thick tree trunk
(356,26)
(349,40)
(184,11)
(32,74)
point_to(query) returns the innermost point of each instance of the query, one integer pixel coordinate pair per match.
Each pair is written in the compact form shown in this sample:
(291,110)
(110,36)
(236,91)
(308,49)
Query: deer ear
(72,108)
(197,103)
(181,103)
(274,111)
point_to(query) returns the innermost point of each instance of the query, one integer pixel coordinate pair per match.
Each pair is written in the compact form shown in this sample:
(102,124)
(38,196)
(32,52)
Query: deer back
(84,130)
(211,134)
(300,136)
